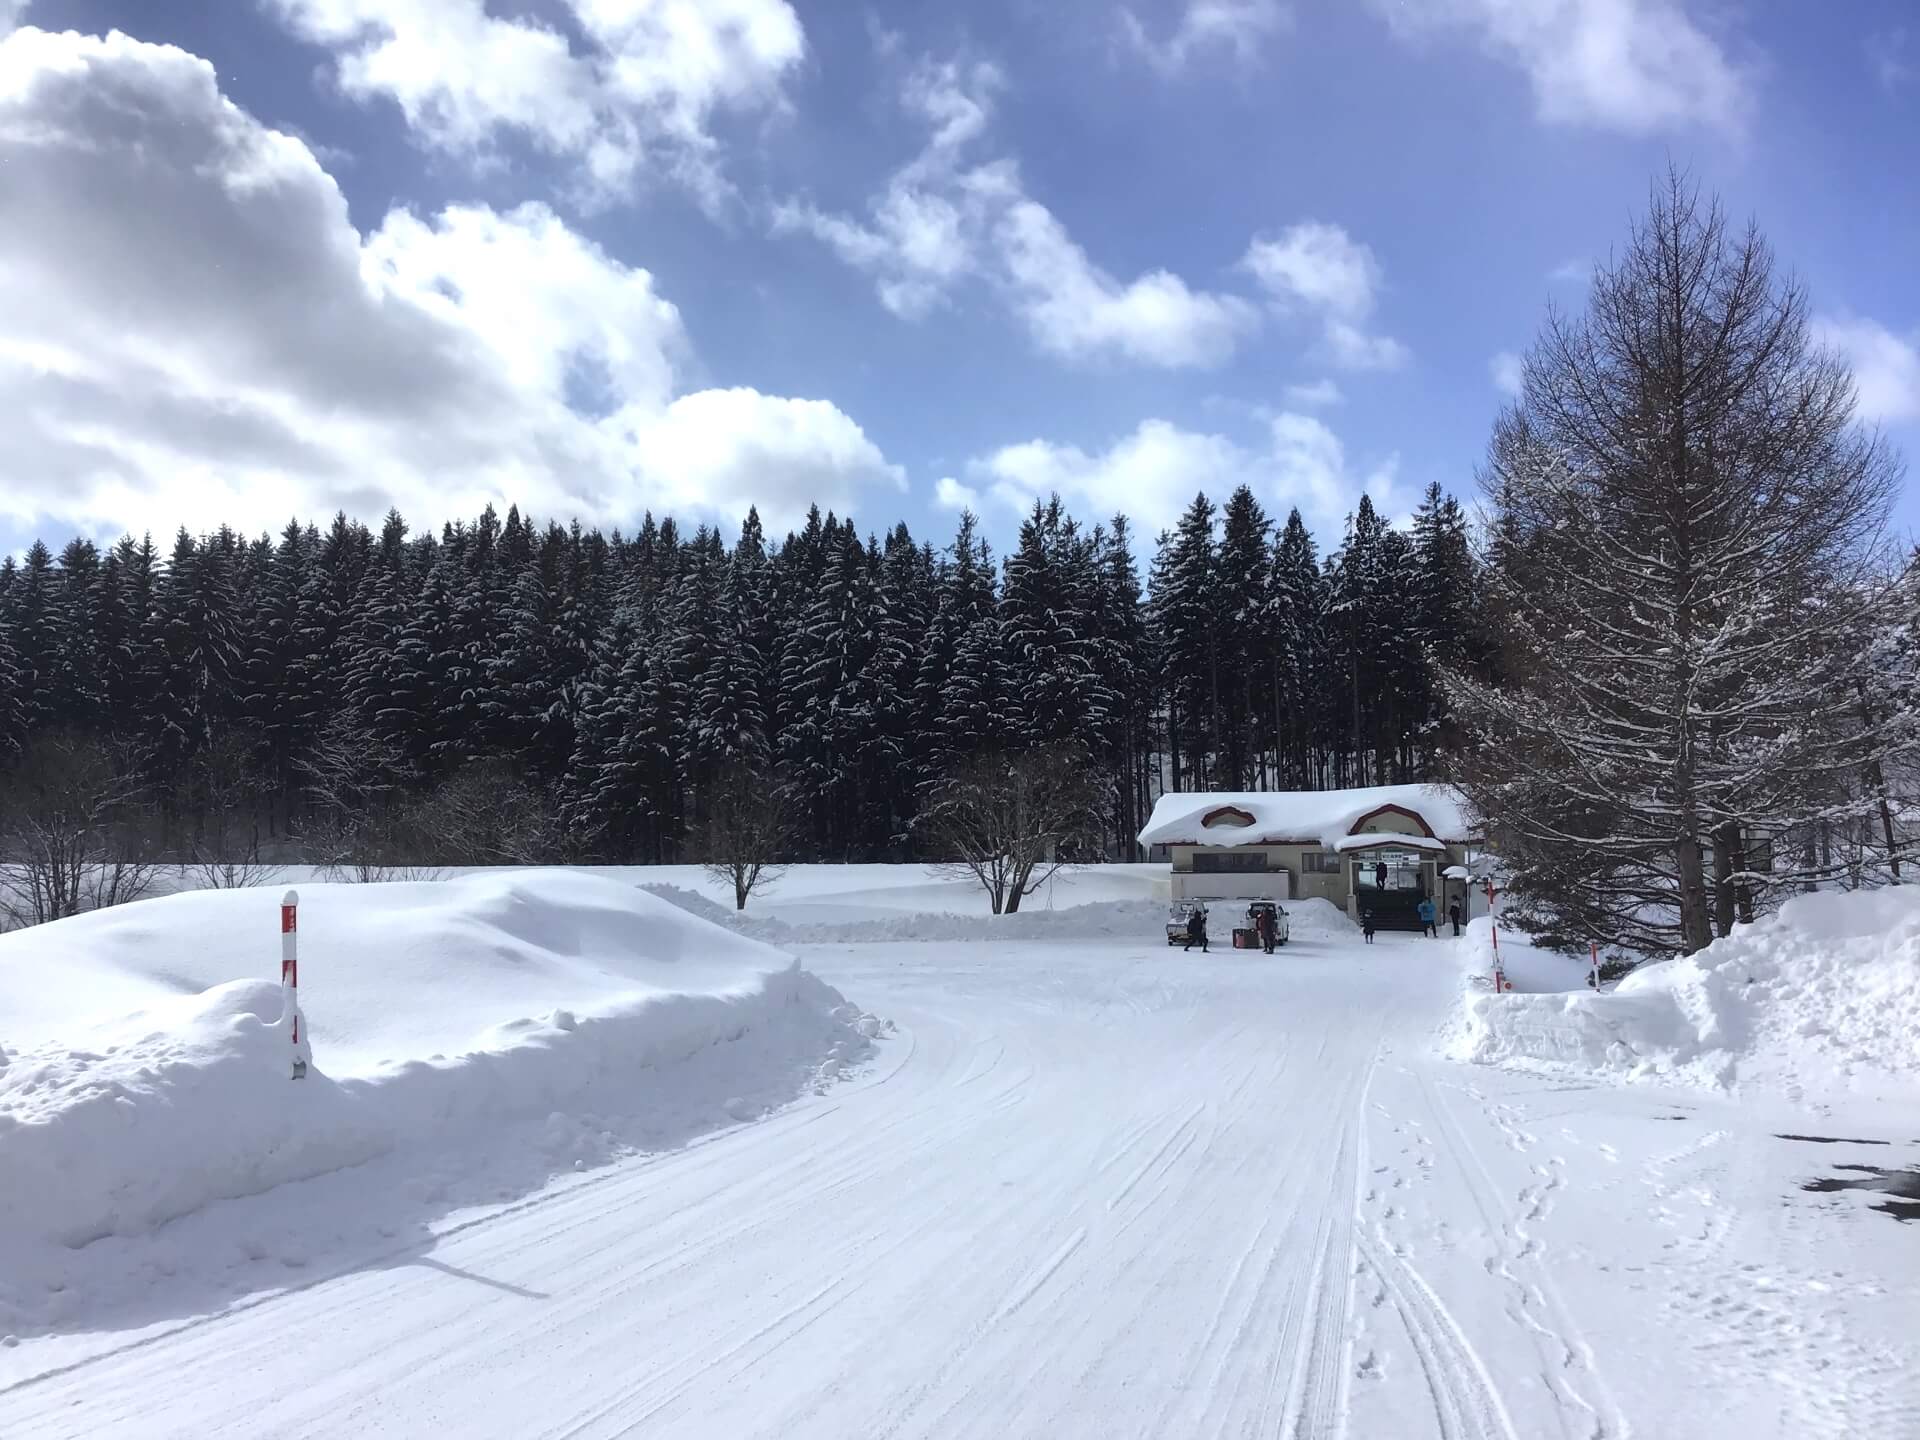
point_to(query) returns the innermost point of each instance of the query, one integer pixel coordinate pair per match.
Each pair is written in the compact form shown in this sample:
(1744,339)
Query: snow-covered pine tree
(1446,622)
(903,602)
(198,660)
(521,679)
(421,707)
(1699,520)
(77,698)
(1245,646)
(1043,630)
(1116,623)
(963,592)
(126,621)
(830,699)
(283,696)
(976,702)
(1365,599)
(1293,619)
(13,719)
(603,793)
(696,649)
(1185,618)
(33,615)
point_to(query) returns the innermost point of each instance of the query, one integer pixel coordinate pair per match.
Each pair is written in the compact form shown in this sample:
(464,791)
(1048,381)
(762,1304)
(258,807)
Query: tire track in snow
(1466,1403)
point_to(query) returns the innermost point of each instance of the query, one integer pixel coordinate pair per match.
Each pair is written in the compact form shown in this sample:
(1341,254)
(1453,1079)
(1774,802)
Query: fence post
(290,977)
(1593,968)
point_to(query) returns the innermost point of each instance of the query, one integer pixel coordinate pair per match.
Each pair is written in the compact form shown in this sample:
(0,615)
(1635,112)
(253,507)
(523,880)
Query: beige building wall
(1302,883)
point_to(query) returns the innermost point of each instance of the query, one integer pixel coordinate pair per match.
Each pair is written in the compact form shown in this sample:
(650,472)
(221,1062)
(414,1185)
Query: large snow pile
(1820,999)
(143,1075)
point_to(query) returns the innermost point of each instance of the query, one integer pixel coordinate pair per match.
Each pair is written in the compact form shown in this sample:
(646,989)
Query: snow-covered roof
(1387,842)
(1456,872)
(1296,816)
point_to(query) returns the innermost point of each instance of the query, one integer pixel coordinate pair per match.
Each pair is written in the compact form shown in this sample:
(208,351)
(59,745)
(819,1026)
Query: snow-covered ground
(1090,1186)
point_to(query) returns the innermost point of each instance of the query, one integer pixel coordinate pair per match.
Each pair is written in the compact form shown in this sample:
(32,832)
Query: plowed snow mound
(1821,998)
(1132,919)
(144,1051)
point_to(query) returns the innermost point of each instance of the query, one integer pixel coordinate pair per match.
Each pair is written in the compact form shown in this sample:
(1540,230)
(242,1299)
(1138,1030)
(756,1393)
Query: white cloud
(1505,369)
(1076,310)
(636,90)
(1571,272)
(1886,366)
(1152,474)
(950,494)
(1638,66)
(1234,28)
(193,331)
(1318,269)
(1318,266)
(1315,396)
(715,450)
(11,14)
(941,219)
(1352,348)
(924,232)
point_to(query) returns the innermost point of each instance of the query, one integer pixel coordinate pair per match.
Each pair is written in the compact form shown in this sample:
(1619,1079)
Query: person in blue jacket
(1428,914)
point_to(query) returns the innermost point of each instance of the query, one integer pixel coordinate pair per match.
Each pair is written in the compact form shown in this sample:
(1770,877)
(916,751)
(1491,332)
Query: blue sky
(278,256)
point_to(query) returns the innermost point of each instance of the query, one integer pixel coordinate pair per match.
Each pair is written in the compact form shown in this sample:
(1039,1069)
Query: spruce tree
(1243,644)
(1185,609)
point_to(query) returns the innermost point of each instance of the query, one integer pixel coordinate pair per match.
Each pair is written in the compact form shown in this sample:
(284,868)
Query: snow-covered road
(1095,1190)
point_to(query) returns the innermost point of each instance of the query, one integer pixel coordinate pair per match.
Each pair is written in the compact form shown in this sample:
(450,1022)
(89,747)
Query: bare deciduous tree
(73,831)
(1687,526)
(227,795)
(743,831)
(1010,820)
(486,814)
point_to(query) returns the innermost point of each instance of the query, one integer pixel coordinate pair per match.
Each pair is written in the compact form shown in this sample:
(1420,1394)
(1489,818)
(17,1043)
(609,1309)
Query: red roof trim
(1246,817)
(1413,815)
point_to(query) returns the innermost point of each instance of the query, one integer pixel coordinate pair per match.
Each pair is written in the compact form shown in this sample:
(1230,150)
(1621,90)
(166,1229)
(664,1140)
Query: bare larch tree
(1686,552)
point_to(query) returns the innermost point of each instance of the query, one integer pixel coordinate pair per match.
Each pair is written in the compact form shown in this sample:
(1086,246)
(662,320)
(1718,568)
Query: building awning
(1347,843)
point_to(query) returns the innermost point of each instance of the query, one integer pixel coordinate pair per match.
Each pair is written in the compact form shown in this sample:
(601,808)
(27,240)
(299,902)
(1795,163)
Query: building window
(1232,860)
(1390,870)
(1319,862)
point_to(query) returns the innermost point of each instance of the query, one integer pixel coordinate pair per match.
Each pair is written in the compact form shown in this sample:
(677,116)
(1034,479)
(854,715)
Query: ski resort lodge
(1381,849)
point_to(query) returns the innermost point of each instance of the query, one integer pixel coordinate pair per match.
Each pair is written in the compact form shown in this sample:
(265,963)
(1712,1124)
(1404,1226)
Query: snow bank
(1822,998)
(1106,919)
(142,1080)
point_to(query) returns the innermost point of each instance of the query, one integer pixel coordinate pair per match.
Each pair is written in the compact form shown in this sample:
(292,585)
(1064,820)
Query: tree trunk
(1726,847)
(1696,927)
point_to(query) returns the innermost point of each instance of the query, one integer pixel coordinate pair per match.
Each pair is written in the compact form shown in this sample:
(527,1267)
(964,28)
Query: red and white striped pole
(290,977)
(1500,984)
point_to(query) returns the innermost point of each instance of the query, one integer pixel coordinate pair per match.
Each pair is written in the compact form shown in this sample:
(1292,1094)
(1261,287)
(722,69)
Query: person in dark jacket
(1263,927)
(1366,925)
(1453,914)
(1197,930)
